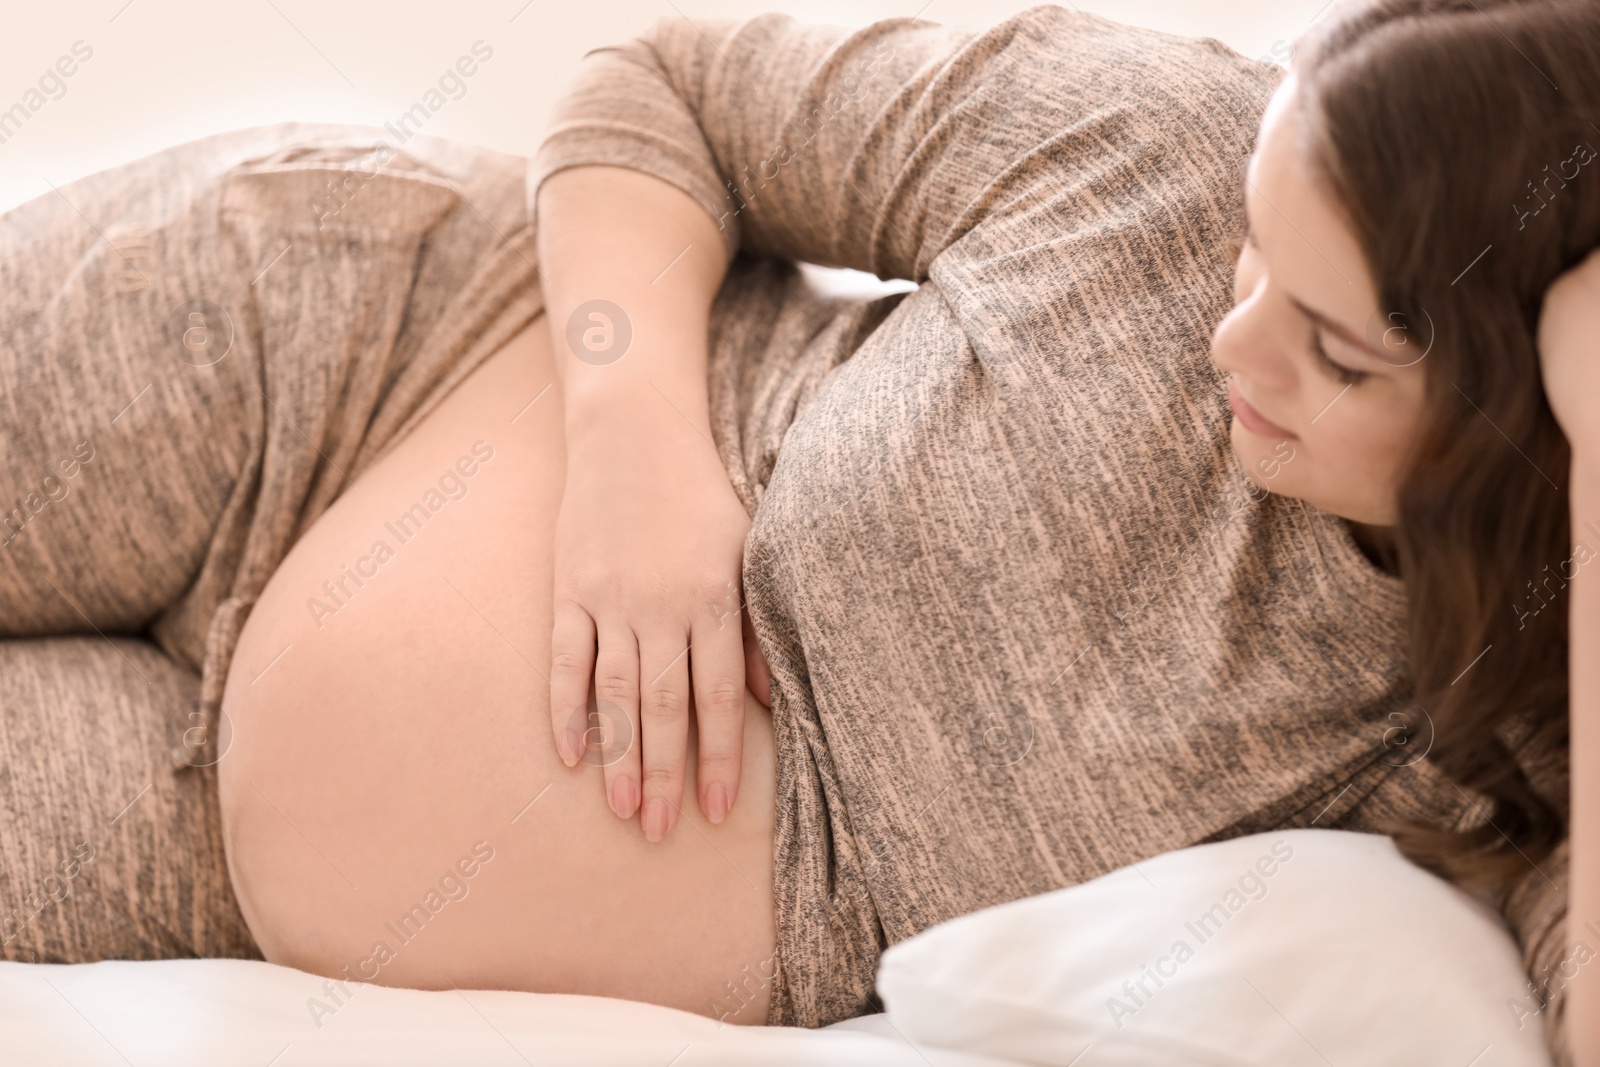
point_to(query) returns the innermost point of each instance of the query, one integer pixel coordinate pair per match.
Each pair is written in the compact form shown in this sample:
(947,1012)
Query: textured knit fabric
(198,352)
(104,852)
(1026,620)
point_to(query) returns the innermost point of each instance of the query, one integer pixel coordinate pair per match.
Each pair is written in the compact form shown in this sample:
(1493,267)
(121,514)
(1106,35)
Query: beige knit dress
(1026,619)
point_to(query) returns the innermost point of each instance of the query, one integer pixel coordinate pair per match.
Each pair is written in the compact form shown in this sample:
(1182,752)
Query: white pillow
(1303,947)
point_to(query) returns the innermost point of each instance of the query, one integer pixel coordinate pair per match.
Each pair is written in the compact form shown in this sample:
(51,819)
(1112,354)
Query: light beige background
(166,71)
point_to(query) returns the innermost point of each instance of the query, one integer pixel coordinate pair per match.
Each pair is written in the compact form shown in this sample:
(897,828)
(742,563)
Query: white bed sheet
(242,1013)
(1327,934)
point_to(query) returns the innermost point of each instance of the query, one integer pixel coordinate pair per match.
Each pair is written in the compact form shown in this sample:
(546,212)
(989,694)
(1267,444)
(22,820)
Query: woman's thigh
(393,806)
(120,441)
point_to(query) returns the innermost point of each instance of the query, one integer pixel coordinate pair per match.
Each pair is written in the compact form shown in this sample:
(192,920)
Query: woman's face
(1326,391)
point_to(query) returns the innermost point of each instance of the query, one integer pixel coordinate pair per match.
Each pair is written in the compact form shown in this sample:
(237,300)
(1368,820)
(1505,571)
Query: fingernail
(624,801)
(569,748)
(717,803)
(655,819)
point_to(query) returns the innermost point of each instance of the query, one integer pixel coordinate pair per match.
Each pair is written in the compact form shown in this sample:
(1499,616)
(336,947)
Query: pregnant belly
(393,806)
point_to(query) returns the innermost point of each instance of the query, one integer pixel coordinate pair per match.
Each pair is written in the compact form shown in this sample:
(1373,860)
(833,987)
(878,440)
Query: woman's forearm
(652,254)
(1583,900)
(649,536)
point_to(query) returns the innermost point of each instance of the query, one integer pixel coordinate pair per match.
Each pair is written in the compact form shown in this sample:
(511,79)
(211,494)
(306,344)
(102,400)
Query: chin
(1266,462)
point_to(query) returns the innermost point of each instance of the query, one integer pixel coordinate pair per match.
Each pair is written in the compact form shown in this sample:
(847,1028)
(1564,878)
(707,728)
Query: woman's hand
(649,541)
(1569,354)
(648,553)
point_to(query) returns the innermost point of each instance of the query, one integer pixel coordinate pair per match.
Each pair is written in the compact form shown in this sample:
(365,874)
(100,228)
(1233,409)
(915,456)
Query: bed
(1272,950)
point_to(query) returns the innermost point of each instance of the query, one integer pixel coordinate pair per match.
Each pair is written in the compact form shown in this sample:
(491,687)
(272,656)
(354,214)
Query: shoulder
(1071,85)
(1197,66)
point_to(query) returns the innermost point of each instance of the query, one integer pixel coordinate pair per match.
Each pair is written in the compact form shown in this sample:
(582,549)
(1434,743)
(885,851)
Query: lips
(1253,420)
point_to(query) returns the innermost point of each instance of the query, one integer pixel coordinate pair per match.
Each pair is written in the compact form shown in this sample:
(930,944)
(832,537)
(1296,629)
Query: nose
(1249,341)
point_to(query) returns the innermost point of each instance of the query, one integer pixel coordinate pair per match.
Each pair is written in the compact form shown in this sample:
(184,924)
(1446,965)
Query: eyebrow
(1312,313)
(1337,330)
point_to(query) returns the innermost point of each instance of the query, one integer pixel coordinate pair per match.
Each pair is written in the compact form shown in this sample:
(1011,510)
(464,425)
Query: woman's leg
(119,443)
(104,852)
(393,806)
(194,349)
(124,396)
(199,349)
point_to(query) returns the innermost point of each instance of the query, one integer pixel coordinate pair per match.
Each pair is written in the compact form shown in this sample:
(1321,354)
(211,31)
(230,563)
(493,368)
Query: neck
(1378,544)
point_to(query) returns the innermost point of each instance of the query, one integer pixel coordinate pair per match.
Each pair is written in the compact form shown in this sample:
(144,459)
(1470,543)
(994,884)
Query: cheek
(1356,450)
(1352,464)
(1372,435)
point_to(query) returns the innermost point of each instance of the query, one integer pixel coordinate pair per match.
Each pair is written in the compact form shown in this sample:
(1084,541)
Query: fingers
(664,728)
(637,726)
(571,664)
(616,690)
(757,675)
(719,668)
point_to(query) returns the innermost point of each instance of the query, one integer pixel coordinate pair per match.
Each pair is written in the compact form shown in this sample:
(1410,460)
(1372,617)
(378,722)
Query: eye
(1338,371)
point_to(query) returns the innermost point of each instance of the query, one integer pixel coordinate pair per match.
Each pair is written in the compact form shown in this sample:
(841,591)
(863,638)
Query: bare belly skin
(393,806)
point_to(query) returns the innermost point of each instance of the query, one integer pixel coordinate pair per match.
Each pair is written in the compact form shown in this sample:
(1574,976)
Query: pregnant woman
(1015,605)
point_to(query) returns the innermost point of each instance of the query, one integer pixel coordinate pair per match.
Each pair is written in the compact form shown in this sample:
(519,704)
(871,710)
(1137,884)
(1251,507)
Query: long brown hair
(1449,130)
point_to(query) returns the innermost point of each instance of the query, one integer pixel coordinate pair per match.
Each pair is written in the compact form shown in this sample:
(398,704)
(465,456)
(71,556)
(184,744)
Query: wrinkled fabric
(199,351)
(1026,618)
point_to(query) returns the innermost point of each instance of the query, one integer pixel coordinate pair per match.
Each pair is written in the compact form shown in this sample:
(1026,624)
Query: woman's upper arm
(880,147)
(807,142)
